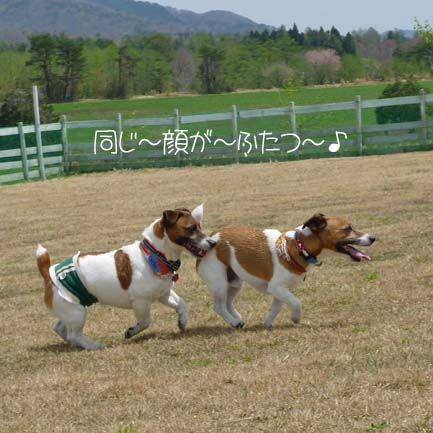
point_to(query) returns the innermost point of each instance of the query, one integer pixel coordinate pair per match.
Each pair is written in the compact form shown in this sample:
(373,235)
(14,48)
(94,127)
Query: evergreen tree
(43,49)
(71,61)
(211,57)
(126,63)
(349,46)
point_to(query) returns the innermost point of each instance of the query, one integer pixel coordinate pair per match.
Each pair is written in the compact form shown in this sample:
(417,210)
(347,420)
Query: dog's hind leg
(141,309)
(72,318)
(215,274)
(233,290)
(74,325)
(60,329)
(173,300)
(220,307)
(273,313)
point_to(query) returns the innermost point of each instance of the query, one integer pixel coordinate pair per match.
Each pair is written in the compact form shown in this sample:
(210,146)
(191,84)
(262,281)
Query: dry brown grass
(361,360)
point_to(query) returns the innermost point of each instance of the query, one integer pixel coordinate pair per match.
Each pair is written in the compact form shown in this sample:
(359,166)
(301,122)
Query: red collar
(158,261)
(303,251)
(296,265)
(283,251)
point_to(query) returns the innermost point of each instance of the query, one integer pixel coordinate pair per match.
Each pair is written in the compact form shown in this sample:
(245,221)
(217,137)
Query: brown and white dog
(131,277)
(273,262)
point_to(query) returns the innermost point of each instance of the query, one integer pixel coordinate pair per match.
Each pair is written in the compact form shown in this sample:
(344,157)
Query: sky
(346,15)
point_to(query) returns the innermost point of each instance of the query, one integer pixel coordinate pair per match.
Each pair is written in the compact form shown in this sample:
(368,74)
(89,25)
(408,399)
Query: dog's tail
(44,263)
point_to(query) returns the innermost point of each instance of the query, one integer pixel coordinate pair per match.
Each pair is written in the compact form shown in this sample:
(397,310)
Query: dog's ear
(316,223)
(197,214)
(170,217)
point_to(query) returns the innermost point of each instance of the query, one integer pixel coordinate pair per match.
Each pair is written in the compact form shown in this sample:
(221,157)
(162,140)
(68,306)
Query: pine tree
(43,54)
(349,46)
(71,61)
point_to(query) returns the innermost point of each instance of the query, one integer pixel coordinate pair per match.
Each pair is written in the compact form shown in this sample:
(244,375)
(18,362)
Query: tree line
(68,69)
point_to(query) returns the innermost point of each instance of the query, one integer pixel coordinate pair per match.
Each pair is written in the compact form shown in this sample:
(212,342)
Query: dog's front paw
(240,325)
(98,346)
(296,312)
(296,317)
(130,332)
(181,324)
(182,318)
(269,325)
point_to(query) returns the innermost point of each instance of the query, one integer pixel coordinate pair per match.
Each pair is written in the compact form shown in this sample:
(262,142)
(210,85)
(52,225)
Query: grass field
(164,106)
(360,361)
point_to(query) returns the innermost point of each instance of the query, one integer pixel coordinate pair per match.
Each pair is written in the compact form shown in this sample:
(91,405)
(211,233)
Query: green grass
(165,105)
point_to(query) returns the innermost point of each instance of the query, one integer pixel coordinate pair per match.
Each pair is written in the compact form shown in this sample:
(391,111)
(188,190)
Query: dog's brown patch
(222,250)
(123,268)
(251,250)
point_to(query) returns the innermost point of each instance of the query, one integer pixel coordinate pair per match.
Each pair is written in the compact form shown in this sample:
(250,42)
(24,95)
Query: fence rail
(19,163)
(23,162)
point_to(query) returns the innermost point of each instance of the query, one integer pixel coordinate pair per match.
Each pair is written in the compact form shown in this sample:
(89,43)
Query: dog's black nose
(211,242)
(371,238)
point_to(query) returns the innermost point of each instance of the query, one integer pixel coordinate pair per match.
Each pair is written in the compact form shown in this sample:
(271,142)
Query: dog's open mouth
(354,253)
(193,247)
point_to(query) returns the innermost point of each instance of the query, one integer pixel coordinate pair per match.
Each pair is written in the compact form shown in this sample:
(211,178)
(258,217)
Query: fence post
(292,111)
(423,112)
(235,132)
(38,133)
(119,137)
(177,127)
(66,155)
(358,108)
(23,151)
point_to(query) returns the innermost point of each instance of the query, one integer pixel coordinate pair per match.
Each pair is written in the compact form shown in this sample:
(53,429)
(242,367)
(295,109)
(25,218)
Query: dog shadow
(193,332)
(198,331)
(203,331)
(60,347)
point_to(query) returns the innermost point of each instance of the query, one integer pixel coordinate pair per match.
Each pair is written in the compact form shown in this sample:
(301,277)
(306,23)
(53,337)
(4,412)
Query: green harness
(66,273)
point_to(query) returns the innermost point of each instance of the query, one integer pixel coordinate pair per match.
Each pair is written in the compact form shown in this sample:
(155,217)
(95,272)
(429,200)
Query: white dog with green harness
(131,277)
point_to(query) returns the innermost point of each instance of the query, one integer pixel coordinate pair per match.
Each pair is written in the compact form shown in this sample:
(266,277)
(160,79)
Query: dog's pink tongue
(358,255)
(363,256)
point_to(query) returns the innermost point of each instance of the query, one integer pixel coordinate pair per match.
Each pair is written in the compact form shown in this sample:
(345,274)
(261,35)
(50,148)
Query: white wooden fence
(21,164)
(79,156)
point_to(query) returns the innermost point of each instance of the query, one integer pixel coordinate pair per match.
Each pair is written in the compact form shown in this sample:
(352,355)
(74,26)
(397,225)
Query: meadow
(163,106)
(360,360)
(192,104)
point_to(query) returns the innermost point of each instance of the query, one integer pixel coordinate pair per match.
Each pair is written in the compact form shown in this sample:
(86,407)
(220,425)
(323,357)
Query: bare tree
(369,43)
(184,68)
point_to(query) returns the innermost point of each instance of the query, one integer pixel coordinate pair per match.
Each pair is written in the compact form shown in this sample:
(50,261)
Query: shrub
(352,68)
(326,64)
(277,75)
(18,107)
(399,113)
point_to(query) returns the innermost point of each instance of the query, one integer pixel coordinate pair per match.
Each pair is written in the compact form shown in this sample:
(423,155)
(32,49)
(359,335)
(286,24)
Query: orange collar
(282,251)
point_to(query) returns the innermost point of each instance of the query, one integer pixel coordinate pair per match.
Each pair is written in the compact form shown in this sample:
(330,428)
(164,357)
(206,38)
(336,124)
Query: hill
(111,19)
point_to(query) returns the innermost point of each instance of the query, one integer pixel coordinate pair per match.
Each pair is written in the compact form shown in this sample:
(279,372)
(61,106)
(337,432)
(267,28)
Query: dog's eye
(349,228)
(192,229)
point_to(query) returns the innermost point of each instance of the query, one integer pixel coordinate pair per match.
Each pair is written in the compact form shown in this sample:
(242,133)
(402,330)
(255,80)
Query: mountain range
(111,19)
